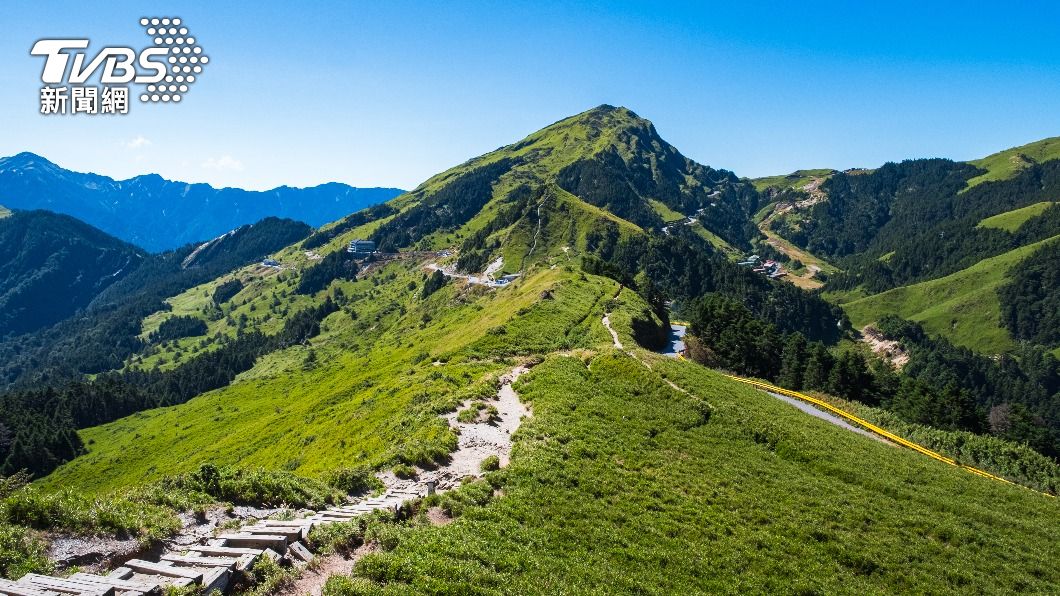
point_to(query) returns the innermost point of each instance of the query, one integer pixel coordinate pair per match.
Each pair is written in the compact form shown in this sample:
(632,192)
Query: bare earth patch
(311,581)
(889,349)
(438,517)
(478,441)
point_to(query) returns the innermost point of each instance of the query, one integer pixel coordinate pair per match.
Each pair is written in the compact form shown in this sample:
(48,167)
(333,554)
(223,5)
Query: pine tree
(818,367)
(793,362)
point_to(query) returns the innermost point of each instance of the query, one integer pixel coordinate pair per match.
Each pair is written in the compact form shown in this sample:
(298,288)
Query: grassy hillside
(796,179)
(374,393)
(1006,164)
(963,307)
(621,484)
(667,214)
(617,483)
(1010,221)
(635,472)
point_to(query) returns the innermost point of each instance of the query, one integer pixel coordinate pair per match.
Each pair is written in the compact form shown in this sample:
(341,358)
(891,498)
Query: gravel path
(478,440)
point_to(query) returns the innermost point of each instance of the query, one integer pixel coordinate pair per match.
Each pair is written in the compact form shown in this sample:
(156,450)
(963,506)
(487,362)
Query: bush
(474,494)
(345,585)
(22,552)
(116,515)
(255,487)
(354,480)
(404,471)
(490,464)
(267,577)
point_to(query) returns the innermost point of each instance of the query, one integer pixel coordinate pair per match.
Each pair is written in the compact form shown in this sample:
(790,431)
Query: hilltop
(1010,162)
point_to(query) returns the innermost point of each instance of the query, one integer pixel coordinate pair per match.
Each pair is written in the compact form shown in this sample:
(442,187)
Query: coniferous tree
(793,362)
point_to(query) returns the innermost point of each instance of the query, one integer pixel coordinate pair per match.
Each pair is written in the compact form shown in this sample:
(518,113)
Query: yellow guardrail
(872,427)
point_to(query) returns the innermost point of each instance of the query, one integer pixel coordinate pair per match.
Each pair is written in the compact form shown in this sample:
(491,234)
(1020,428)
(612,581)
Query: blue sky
(389,93)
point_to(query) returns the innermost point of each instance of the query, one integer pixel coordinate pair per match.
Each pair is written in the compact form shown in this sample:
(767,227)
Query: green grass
(796,179)
(1010,221)
(1006,164)
(963,306)
(375,395)
(620,484)
(716,241)
(667,214)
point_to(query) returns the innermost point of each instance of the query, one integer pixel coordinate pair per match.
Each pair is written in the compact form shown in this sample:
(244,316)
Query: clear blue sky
(388,93)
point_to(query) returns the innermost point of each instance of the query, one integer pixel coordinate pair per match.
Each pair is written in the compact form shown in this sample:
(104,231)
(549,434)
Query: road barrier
(879,431)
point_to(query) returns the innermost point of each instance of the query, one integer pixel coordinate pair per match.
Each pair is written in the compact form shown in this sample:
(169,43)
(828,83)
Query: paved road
(836,420)
(677,341)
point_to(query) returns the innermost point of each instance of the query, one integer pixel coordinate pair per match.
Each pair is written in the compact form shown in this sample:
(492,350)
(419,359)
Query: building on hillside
(361,247)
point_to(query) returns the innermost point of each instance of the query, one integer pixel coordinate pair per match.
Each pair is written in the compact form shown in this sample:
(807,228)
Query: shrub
(490,464)
(22,552)
(404,471)
(117,515)
(255,487)
(268,577)
(354,480)
(226,291)
(345,585)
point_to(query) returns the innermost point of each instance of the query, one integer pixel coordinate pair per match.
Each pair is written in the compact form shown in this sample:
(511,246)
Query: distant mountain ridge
(51,265)
(158,214)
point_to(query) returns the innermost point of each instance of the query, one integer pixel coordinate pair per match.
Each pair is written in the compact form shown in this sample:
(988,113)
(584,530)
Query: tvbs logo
(166,70)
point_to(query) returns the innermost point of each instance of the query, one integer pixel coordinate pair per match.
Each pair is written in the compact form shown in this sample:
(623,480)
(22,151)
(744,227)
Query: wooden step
(66,586)
(226,562)
(291,533)
(273,541)
(300,552)
(225,550)
(216,580)
(10,588)
(166,570)
(121,584)
(286,524)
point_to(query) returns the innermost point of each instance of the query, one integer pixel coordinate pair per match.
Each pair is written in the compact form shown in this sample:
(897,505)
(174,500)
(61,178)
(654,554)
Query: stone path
(212,564)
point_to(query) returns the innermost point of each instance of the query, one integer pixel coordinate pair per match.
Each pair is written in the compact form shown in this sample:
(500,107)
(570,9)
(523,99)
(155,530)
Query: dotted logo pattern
(186,59)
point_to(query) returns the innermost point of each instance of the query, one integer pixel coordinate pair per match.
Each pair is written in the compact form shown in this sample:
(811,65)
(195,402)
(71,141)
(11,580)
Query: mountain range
(158,214)
(515,341)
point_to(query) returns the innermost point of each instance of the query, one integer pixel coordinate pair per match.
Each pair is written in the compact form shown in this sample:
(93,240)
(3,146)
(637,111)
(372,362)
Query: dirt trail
(478,440)
(614,334)
(313,578)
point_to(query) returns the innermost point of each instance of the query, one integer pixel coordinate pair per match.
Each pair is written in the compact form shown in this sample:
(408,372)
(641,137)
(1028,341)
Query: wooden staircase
(209,565)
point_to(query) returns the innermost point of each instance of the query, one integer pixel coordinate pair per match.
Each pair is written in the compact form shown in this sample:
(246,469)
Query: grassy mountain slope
(796,179)
(1006,164)
(618,485)
(375,392)
(619,482)
(1010,221)
(962,307)
(608,157)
